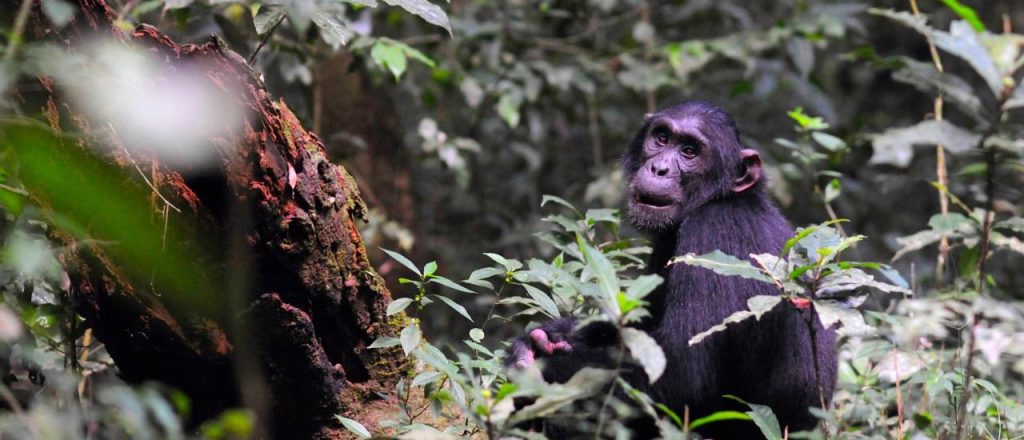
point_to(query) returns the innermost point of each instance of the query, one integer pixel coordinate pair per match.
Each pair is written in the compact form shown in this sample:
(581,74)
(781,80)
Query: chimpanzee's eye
(661,137)
(690,151)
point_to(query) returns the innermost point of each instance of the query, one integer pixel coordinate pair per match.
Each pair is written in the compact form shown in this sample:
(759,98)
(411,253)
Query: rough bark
(310,303)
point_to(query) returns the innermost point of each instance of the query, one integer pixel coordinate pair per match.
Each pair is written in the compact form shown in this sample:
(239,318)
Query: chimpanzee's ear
(647,117)
(750,162)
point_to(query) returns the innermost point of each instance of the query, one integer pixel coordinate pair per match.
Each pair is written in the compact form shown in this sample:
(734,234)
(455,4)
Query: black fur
(766,362)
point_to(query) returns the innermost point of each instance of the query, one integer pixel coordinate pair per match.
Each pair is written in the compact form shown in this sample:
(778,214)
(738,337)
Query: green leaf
(403,261)
(718,417)
(829,142)
(553,199)
(584,383)
(643,285)
(646,351)
(476,334)
(410,338)
(102,206)
(967,13)
(764,418)
(508,106)
(449,284)
(425,378)
(432,13)
(603,271)
(398,305)
(509,264)
(390,57)
(334,27)
(429,269)
(354,427)
(385,342)
(832,190)
(850,280)
(547,305)
(267,17)
(805,121)
(723,264)
(455,306)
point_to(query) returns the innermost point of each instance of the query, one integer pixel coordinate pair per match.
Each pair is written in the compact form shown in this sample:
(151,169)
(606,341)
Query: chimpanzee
(694,187)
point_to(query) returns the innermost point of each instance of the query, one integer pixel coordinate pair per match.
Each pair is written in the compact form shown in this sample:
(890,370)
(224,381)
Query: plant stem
(940,155)
(17,33)
(263,42)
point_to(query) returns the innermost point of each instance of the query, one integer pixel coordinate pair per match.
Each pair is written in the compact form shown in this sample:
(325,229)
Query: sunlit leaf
(432,13)
(723,264)
(385,342)
(268,16)
(354,427)
(758,306)
(398,305)
(410,338)
(334,27)
(449,284)
(403,261)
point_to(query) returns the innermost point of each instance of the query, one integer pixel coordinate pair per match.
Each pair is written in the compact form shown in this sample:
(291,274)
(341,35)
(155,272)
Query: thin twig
(252,57)
(139,169)
(17,33)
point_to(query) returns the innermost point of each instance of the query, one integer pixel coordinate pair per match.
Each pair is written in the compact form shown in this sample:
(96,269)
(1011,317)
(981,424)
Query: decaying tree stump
(282,222)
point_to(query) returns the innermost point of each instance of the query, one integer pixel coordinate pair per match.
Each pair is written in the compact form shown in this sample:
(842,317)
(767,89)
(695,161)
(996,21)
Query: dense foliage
(893,136)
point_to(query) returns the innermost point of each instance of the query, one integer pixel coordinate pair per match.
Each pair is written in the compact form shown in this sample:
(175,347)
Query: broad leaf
(896,145)
(455,306)
(430,12)
(962,40)
(449,284)
(410,338)
(354,427)
(850,320)
(334,27)
(385,342)
(601,269)
(723,264)
(545,302)
(759,305)
(398,305)
(646,351)
(403,261)
(954,89)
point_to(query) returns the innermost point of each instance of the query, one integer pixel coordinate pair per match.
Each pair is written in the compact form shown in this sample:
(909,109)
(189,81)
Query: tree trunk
(304,302)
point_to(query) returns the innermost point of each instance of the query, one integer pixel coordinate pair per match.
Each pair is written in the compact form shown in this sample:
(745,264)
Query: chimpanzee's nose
(659,168)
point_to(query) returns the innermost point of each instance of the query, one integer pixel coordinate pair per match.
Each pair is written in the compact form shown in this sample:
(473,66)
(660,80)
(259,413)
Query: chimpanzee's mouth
(652,200)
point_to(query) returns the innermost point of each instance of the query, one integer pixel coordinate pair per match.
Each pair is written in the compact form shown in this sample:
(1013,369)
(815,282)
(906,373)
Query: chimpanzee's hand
(542,341)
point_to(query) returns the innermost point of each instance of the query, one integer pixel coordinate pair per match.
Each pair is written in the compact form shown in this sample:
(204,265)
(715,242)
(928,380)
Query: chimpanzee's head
(684,157)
